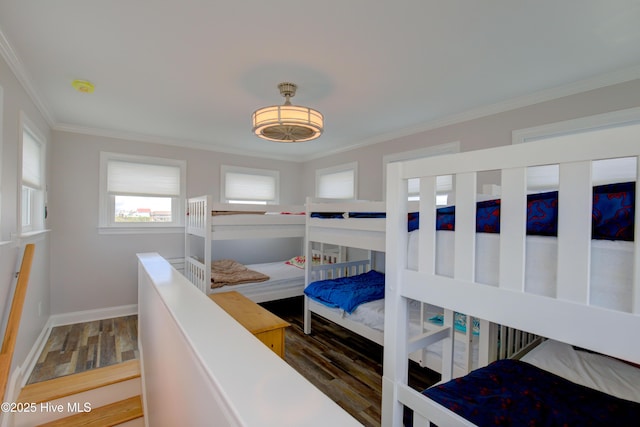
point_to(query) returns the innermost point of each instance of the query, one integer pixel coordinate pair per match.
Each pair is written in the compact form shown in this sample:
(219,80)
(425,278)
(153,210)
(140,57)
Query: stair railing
(15,313)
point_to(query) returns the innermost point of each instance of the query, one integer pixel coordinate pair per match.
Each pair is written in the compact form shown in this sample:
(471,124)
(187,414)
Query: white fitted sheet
(596,371)
(611,265)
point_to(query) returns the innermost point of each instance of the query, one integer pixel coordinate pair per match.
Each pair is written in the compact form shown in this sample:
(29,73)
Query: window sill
(141,230)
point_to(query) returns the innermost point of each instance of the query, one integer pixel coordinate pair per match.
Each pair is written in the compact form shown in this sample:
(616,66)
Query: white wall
(36,309)
(484,132)
(92,270)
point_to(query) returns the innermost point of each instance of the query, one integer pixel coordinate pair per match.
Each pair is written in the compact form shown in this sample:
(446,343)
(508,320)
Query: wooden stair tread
(78,383)
(108,415)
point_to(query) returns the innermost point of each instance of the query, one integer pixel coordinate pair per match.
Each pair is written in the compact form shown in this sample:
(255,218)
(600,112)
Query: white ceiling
(192,71)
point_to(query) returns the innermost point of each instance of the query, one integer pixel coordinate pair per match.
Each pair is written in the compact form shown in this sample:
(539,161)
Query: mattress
(371,314)
(279,274)
(596,371)
(611,265)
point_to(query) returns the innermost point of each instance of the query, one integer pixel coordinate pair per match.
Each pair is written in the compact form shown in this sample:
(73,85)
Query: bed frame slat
(426,238)
(636,258)
(465,237)
(575,195)
(513,233)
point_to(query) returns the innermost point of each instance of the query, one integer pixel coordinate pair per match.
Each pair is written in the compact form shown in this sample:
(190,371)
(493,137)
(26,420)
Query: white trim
(142,230)
(39,198)
(1,151)
(550,94)
(583,124)
(20,72)
(92,315)
(225,169)
(21,374)
(105,204)
(351,166)
(434,150)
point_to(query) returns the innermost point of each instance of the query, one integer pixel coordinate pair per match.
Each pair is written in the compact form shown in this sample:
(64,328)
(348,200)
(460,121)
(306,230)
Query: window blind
(31,161)
(254,187)
(337,185)
(443,183)
(142,179)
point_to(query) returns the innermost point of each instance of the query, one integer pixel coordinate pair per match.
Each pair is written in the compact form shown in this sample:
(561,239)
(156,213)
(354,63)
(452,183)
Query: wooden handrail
(13,323)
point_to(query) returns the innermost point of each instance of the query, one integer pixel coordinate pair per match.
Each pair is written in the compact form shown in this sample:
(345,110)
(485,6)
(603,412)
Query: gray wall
(488,131)
(92,270)
(76,268)
(36,309)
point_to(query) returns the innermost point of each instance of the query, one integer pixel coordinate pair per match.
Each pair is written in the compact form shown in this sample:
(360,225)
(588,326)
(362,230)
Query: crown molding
(14,62)
(175,142)
(604,80)
(608,79)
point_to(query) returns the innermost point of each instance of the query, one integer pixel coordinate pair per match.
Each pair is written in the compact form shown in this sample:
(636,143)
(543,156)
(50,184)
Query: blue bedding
(348,293)
(612,215)
(514,393)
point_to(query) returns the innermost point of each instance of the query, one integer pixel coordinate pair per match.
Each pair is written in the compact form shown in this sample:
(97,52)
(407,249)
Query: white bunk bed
(358,233)
(328,222)
(207,221)
(570,309)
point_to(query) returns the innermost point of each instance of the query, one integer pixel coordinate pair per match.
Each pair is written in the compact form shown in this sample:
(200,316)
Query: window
(247,185)
(444,184)
(32,194)
(139,191)
(338,182)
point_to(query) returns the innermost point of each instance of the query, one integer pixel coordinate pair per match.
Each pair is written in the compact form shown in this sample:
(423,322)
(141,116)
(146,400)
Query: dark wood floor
(344,365)
(79,347)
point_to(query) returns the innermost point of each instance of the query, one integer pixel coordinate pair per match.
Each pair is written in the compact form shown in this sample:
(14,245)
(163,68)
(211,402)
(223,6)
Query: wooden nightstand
(263,324)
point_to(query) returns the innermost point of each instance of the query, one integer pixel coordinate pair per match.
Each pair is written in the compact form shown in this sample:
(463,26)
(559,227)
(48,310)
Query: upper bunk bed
(569,302)
(207,222)
(362,225)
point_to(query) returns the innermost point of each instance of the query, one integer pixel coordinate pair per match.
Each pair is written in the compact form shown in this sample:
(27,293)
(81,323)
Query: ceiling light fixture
(287,123)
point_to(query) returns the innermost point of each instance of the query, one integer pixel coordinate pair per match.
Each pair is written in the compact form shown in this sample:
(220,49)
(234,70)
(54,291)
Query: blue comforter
(348,293)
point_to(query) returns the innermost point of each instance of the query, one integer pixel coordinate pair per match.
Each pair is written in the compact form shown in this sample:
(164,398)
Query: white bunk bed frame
(568,317)
(361,233)
(201,223)
(370,234)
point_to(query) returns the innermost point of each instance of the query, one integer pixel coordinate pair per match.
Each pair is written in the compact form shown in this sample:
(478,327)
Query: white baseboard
(91,315)
(21,374)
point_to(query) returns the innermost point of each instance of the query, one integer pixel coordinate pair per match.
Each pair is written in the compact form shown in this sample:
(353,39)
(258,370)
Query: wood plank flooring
(71,349)
(344,365)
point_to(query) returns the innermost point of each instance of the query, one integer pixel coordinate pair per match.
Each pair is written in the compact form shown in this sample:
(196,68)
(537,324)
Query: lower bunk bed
(554,384)
(356,302)
(586,372)
(259,282)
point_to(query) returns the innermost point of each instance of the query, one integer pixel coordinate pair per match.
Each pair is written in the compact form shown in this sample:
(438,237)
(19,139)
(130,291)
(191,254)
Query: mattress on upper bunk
(613,212)
(611,265)
(511,392)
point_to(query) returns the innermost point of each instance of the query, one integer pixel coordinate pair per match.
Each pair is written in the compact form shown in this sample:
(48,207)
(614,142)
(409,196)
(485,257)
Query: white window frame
(107,223)
(584,124)
(32,198)
(546,178)
(226,169)
(346,167)
(445,183)
(1,157)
